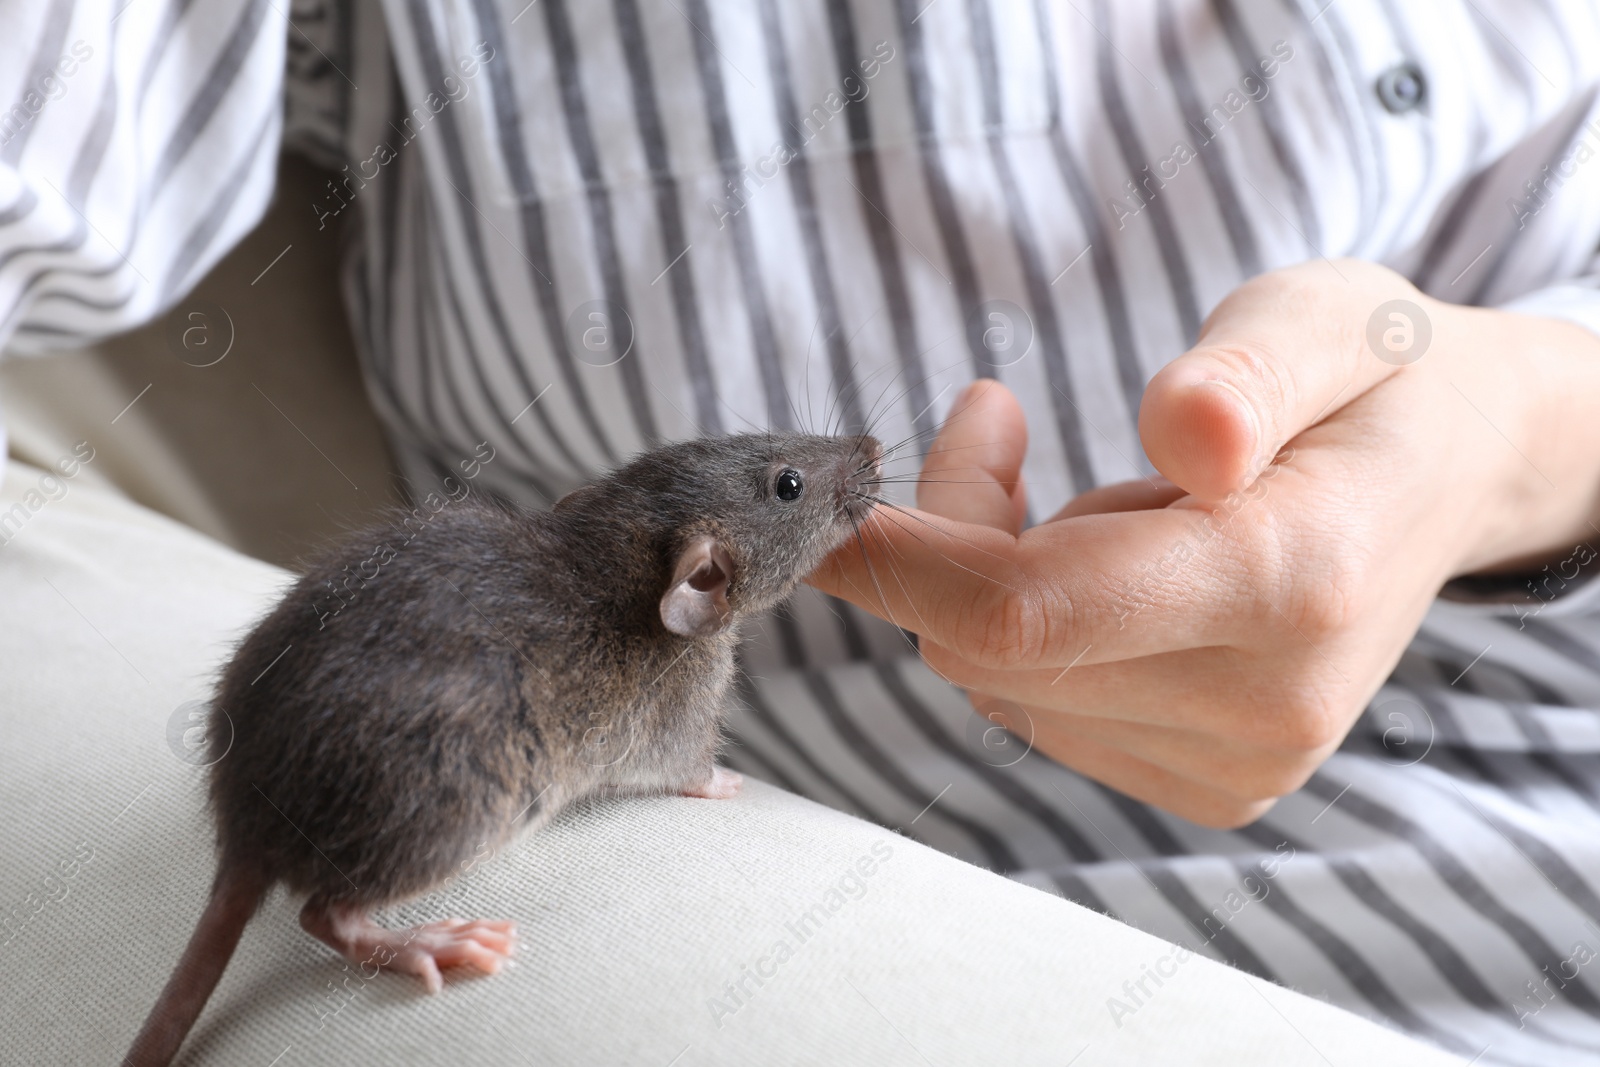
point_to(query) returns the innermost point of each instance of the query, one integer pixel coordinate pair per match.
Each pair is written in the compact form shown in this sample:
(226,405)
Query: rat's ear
(696,602)
(583,492)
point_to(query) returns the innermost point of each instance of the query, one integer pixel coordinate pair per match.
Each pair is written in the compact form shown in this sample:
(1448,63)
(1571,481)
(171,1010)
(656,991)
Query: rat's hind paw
(422,950)
(722,785)
(425,950)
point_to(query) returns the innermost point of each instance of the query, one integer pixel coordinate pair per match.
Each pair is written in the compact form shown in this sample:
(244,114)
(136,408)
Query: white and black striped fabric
(579,229)
(139,143)
(657,212)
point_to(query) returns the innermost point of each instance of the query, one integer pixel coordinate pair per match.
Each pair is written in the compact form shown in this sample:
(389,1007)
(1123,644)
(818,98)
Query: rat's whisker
(794,409)
(908,513)
(881,408)
(872,572)
(914,480)
(894,572)
(883,599)
(805,380)
(944,555)
(971,444)
(946,470)
(755,427)
(871,414)
(870,417)
(850,395)
(914,437)
(928,378)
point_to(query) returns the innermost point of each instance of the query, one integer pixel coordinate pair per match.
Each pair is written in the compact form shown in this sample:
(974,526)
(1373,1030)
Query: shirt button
(1402,88)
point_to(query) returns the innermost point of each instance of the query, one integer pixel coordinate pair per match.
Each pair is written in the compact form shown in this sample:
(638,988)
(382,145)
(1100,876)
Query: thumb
(1282,352)
(973,472)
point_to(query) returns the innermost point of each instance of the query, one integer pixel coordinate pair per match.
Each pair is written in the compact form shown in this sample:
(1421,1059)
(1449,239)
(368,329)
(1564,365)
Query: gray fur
(498,656)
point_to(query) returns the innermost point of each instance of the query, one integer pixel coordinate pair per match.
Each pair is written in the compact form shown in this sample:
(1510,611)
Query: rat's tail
(235,896)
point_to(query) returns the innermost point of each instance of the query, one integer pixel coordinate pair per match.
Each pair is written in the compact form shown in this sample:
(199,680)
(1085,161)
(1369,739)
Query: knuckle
(1292,719)
(1008,631)
(1294,292)
(1309,577)
(1325,599)
(1307,723)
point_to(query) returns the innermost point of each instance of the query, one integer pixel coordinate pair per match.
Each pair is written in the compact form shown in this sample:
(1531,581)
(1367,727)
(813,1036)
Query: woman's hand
(1204,641)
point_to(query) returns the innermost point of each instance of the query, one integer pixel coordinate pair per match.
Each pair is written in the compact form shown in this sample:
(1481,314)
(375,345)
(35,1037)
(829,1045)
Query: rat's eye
(788,485)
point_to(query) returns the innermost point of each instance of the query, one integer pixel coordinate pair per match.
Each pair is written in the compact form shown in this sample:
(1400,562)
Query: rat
(429,685)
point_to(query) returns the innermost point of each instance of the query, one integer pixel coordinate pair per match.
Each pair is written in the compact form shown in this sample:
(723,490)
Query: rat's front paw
(722,785)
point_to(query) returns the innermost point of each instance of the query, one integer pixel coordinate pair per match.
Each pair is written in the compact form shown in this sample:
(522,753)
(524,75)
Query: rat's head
(742,519)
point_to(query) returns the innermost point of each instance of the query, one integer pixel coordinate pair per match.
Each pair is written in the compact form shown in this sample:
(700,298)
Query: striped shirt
(581,229)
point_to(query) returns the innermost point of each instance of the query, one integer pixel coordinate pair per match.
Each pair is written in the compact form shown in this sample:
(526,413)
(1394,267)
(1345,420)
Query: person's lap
(1436,873)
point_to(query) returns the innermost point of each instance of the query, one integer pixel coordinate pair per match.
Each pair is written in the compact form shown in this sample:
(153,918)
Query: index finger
(1093,589)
